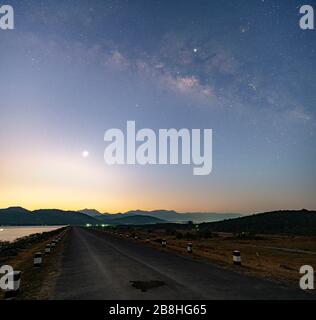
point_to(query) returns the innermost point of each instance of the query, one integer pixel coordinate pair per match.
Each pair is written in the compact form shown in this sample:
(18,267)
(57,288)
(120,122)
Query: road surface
(100,266)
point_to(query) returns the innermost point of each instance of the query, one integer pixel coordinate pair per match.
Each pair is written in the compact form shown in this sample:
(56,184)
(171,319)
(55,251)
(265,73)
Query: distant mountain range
(277,222)
(166,215)
(17,216)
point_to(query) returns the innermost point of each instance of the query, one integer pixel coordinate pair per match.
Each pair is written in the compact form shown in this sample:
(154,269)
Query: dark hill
(91,212)
(17,216)
(300,222)
(136,220)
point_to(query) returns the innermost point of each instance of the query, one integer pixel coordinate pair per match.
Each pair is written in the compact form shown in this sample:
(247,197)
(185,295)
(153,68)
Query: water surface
(13,233)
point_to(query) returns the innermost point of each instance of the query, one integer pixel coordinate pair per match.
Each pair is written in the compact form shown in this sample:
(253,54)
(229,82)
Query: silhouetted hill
(91,212)
(17,216)
(161,214)
(301,222)
(17,209)
(136,220)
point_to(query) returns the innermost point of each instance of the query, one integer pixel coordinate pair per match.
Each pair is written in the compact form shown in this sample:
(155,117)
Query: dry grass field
(276,257)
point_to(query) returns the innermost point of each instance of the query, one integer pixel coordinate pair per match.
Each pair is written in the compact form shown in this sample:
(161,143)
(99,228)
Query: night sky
(72,69)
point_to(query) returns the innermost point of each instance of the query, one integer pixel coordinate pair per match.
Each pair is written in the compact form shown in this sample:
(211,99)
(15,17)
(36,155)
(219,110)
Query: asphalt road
(100,266)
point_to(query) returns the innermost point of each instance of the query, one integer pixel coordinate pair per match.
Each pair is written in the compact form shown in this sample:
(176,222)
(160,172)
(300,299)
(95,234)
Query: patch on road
(146,285)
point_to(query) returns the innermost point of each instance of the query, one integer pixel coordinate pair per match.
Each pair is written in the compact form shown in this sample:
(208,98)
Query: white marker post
(189,247)
(38,259)
(12,292)
(237,257)
(47,249)
(164,242)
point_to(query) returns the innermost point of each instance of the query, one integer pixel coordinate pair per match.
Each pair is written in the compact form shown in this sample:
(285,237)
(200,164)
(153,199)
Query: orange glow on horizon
(68,181)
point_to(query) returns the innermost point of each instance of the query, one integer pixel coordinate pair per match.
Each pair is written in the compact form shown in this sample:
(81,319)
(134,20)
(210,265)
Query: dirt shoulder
(37,283)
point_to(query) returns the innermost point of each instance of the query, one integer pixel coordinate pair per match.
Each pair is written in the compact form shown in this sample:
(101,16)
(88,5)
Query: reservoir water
(13,233)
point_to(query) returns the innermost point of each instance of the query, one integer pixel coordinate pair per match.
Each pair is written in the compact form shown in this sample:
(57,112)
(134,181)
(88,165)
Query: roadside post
(237,257)
(189,247)
(47,249)
(38,259)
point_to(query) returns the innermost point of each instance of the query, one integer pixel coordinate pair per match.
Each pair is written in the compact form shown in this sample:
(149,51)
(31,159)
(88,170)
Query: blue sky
(77,68)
